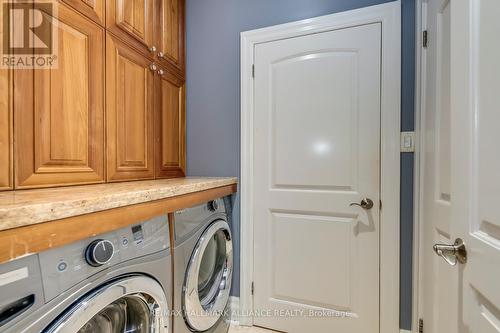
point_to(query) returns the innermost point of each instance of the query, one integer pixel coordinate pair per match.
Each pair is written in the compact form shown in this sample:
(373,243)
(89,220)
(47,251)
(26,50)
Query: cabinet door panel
(5,122)
(131,21)
(59,113)
(171,32)
(93,9)
(129,110)
(170,127)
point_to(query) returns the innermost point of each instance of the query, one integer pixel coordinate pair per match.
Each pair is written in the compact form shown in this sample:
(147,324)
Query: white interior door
(439,278)
(466,297)
(316,151)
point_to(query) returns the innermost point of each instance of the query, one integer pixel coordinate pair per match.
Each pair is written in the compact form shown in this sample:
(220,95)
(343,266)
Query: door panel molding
(389,15)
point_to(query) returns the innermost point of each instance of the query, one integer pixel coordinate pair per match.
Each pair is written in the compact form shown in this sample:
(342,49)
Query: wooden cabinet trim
(39,237)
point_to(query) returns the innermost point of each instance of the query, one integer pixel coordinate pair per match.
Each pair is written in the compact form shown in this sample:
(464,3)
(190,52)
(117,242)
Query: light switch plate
(407,142)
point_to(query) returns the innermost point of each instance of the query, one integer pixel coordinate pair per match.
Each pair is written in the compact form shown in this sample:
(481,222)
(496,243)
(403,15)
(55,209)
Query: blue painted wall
(213,95)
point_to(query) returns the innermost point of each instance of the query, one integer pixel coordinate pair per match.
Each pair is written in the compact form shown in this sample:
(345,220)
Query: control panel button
(99,252)
(61,267)
(212,205)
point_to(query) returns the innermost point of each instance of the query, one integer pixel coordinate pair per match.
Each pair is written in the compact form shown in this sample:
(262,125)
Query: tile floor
(244,329)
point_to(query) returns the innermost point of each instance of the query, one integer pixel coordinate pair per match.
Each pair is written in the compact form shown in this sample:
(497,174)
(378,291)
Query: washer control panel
(64,267)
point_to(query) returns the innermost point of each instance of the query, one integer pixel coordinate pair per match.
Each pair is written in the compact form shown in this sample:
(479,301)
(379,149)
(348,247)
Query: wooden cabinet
(59,113)
(170,126)
(133,22)
(171,33)
(129,112)
(93,9)
(104,114)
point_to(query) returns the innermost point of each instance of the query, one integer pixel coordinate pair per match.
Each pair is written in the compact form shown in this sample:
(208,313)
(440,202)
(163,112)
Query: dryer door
(208,277)
(132,304)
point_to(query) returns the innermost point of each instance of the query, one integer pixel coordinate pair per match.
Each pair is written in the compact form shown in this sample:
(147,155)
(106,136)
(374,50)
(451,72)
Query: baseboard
(234,303)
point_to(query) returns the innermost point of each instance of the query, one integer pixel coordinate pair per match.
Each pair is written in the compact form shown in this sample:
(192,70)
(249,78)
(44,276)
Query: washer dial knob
(99,252)
(212,205)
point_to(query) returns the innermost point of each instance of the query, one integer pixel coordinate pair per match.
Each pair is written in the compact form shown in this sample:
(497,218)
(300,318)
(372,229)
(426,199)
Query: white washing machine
(115,282)
(203,267)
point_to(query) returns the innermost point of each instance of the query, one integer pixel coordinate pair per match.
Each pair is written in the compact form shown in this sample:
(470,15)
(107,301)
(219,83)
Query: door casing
(389,15)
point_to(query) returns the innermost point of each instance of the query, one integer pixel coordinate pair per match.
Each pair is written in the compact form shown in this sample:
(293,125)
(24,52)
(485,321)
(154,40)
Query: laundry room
(249,166)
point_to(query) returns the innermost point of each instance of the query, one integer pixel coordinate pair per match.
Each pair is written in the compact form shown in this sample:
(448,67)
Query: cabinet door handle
(152,49)
(161,72)
(152,67)
(161,55)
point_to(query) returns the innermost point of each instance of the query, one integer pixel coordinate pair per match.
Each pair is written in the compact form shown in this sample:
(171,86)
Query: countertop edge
(31,214)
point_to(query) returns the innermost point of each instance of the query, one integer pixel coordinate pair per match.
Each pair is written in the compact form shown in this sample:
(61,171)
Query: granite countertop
(26,207)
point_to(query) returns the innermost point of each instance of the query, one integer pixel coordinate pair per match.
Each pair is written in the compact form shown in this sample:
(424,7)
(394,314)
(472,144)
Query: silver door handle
(365,203)
(452,253)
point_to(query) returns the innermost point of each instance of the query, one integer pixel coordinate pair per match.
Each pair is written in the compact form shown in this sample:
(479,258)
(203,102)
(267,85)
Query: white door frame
(420,67)
(389,15)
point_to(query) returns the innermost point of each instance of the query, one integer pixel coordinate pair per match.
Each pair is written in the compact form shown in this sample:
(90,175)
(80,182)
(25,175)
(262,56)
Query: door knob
(161,55)
(365,203)
(152,49)
(452,253)
(152,67)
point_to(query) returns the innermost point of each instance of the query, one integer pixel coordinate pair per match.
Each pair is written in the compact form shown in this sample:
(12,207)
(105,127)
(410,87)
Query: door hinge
(425,39)
(253,71)
(252,288)
(420,325)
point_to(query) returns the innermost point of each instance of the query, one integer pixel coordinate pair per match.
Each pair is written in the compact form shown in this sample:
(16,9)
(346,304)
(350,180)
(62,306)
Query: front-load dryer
(120,281)
(203,266)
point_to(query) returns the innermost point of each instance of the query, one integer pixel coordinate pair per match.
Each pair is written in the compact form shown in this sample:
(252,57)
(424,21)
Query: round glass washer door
(208,277)
(135,304)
